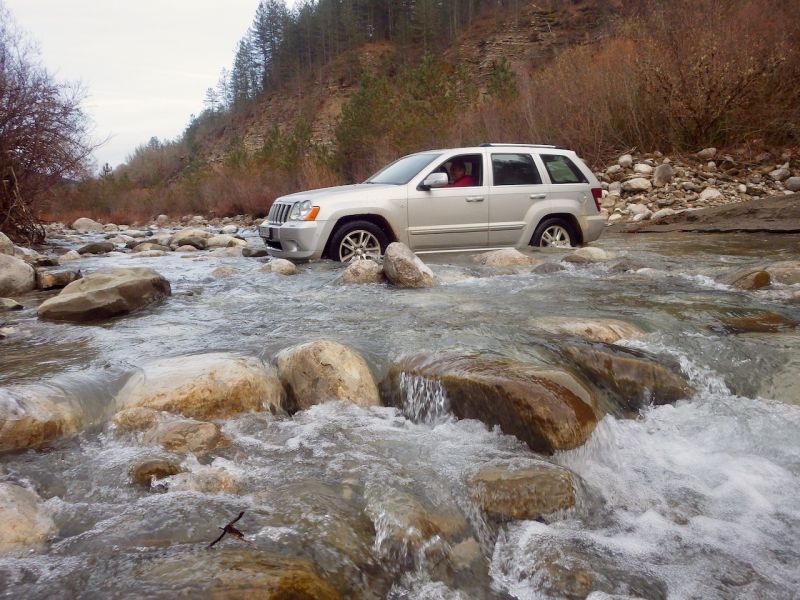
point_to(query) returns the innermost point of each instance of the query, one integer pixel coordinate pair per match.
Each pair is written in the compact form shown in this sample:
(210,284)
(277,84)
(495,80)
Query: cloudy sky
(146,64)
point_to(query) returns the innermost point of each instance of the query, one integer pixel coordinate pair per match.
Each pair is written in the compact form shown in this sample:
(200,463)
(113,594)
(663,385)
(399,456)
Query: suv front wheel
(554,233)
(357,240)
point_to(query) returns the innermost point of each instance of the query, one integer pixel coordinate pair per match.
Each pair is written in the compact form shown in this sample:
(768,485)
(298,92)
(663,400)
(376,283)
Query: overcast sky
(146,64)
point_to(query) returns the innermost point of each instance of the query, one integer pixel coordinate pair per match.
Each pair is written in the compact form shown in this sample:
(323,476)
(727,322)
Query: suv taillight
(597,194)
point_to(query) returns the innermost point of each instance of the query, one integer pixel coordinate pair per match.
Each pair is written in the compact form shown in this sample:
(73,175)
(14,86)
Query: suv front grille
(279,213)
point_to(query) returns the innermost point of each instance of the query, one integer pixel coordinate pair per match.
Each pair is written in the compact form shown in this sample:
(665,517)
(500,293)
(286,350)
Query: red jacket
(465,181)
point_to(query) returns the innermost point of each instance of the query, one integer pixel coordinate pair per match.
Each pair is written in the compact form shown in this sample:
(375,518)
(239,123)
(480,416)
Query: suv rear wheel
(554,233)
(357,240)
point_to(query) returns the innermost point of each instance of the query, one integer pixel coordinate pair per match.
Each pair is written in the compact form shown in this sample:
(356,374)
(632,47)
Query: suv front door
(451,217)
(515,189)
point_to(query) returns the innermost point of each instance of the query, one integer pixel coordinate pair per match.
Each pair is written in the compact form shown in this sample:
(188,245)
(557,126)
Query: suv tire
(356,240)
(554,232)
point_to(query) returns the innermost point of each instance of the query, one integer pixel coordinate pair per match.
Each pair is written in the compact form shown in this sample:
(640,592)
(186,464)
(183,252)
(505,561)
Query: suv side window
(515,169)
(472,174)
(562,170)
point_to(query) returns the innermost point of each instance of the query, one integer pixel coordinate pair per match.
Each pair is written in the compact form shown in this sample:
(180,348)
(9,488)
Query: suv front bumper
(296,240)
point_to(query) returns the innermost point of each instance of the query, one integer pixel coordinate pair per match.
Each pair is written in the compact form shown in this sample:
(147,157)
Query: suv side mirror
(435,180)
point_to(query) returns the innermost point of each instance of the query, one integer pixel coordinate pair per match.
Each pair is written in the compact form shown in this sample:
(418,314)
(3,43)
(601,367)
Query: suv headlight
(303,211)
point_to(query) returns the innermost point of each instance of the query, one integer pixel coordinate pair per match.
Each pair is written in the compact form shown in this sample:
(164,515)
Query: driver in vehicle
(458,173)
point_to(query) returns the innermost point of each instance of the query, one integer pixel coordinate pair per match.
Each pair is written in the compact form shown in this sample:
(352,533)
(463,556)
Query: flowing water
(700,499)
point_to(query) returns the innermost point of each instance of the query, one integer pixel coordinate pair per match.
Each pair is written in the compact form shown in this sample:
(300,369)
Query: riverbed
(696,499)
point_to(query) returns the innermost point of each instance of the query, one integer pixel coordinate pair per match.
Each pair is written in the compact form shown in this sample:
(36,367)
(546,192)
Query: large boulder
(6,245)
(32,416)
(543,409)
(507,257)
(204,386)
(362,271)
(595,330)
(86,225)
(515,492)
(16,276)
(404,269)
(191,237)
(106,294)
(324,371)
(24,524)
(96,248)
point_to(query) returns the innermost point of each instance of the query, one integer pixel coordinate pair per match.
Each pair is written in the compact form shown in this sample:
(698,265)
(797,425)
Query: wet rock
(106,294)
(785,272)
(24,524)
(504,258)
(280,266)
(149,254)
(506,492)
(404,269)
(7,304)
(68,256)
(325,371)
(224,272)
(191,237)
(34,258)
(147,471)
(147,246)
(49,280)
(625,265)
(466,555)
(250,252)
(362,271)
(749,279)
(637,185)
(6,245)
(86,225)
(523,401)
(596,330)
(588,254)
(206,480)
(204,386)
(186,248)
(137,418)
(231,252)
(187,435)
(16,276)
(630,378)
(548,268)
(96,248)
(761,322)
(223,240)
(32,416)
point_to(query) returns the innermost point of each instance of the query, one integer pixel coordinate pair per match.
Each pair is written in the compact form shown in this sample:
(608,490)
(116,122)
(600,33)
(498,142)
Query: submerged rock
(69,256)
(523,401)
(106,294)
(762,322)
(137,418)
(24,524)
(548,268)
(149,246)
(32,416)
(505,258)
(325,371)
(187,435)
(588,254)
(404,269)
(362,271)
(224,272)
(749,279)
(145,472)
(204,386)
(785,272)
(251,252)
(507,492)
(16,276)
(596,330)
(280,266)
(207,480)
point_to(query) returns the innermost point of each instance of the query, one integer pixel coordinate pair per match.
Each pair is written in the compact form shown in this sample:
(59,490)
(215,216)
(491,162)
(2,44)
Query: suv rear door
(568,182)
(450,217)
(516,188)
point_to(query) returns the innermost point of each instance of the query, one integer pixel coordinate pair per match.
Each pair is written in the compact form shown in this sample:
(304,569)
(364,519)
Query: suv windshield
(403,170)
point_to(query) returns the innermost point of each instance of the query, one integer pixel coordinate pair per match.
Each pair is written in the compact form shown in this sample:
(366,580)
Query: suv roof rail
(492,145)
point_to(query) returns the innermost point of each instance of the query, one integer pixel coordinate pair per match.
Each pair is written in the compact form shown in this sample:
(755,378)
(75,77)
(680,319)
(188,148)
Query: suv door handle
(474,198)
(538,196)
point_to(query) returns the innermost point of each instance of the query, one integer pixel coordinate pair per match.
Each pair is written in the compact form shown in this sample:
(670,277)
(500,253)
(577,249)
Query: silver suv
(460,199)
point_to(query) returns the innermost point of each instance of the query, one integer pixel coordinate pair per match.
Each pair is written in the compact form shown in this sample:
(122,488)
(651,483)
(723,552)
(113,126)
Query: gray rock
(689,186)
(97,248)
(664,212)
(86,225)
(362,271)
(625,161)
(69,256)
(16,276)
(6,245)
(614,188)
(404,269)
(162,220)
(707,153)
(230,229)
(709,194)
(643,169)
(280,266)
(250,252)
(792,184)
(781,173)
(191,237)
(149,246)
(7,304)
(638,209)
(663,175)
(49,280)
(614,171)
(637,184)
(505,257)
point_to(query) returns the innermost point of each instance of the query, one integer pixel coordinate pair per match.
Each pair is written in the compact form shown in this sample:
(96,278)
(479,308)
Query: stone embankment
(651,187)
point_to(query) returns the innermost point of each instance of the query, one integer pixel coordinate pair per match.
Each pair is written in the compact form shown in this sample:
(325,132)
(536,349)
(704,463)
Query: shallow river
(700,499)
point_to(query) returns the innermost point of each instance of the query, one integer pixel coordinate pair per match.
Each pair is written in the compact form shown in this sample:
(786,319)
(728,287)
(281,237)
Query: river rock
(6,245)
(758,322)
(97,248)
(162,220)
(137,418)
(187,435)
(229,229)
(149,254)
(186,248)
(792,184)
(625,161)
(707,153)
(204,386)
(24,523)
(33,258)
(587,254)
(362,271)
(86,225)
(31,416)
(664,212)
(106,294)
(548,268)
(522,400)
(785,272)
(49,280)
(643,169)
(223,240)
(403,268)
(663,175)
(147,246)
(324,371)
(631,379)
(16,276)
(229,252)
(280,266)
(191,237)
(748,279)
(7,304)
(69,256)
(780,173)
(607,331)
(206,480)
(506,492)
(150,470)
(710,194)
(224,272)
(636,185)
(250,252)
(504,258)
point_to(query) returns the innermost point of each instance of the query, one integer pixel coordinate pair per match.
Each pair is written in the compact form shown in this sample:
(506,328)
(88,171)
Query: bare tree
(43,133)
